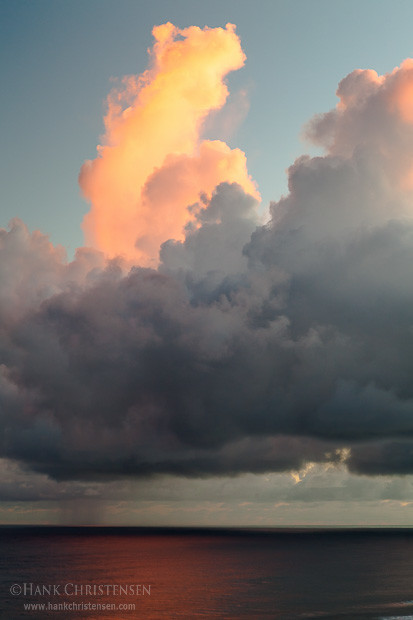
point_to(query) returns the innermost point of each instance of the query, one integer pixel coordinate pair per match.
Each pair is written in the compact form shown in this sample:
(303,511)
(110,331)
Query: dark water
(206,573)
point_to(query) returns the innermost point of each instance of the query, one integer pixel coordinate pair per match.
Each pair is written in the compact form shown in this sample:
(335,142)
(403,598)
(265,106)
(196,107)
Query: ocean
(125,573)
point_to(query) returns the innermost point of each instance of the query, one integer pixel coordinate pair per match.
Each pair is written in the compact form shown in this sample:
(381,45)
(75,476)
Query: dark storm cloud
(250,348)
(391,457)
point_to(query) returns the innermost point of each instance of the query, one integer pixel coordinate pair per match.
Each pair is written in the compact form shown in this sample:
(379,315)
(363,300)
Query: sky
(206,239)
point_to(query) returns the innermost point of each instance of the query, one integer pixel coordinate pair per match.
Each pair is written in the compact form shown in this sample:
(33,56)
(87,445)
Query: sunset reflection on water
(222,574)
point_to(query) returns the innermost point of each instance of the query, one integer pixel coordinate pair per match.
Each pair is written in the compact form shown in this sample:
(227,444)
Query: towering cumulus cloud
(248,347)
(152,163)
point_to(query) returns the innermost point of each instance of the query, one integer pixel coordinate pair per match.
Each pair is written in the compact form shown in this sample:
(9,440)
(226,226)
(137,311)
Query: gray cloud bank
(251,348)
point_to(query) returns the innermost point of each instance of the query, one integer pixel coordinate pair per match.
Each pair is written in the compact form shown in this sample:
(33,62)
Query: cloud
(152,163)
(156,371)
(249,348)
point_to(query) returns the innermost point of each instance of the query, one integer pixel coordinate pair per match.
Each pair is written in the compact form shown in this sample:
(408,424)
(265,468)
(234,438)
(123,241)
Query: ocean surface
(116,573)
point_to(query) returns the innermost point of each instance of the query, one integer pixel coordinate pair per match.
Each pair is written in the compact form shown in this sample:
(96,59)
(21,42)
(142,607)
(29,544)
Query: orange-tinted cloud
(402,96)
(152,163)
